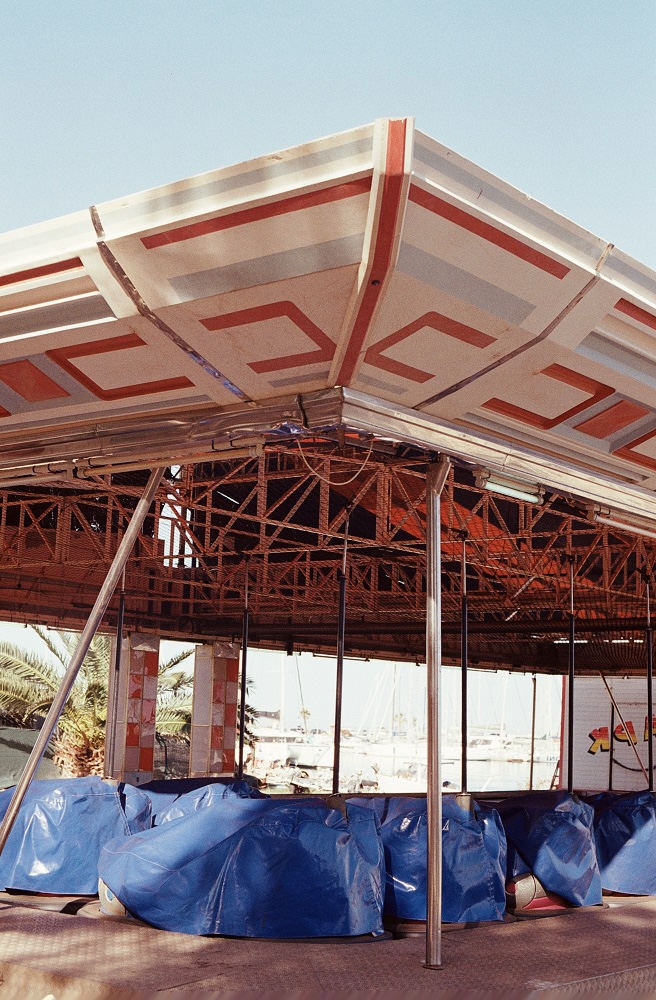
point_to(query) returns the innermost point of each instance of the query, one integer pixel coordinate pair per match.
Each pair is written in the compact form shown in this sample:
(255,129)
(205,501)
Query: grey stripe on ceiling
(265,270)
(16,403)
(505,201)
(78,392)
(58,314)
(625,270)
(608,353)
(463,285)
(70,230)
(309,376)
(377,383)
(223,185)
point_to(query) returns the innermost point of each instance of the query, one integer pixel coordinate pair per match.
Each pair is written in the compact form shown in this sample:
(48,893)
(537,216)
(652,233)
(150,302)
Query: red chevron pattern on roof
(376,260)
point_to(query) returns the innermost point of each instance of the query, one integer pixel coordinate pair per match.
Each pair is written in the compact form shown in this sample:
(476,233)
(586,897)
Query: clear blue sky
(101,99)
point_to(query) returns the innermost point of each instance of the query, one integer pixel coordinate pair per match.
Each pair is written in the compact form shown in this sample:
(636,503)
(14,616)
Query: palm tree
(305,715)
(29,682)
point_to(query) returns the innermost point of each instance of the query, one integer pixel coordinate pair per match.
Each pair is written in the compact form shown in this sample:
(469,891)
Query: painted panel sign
(611,745)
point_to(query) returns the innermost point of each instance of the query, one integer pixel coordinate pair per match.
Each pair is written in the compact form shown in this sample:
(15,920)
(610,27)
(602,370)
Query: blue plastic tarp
(163,792)
(625,839)
(210,795)
(137,808)
(253,868)
(60,830)
(473,859)
(550,834)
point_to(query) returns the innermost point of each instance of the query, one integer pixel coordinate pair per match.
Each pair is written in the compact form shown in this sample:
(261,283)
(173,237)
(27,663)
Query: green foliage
(29,682)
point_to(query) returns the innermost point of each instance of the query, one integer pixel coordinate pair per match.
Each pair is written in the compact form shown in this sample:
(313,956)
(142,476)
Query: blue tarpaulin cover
(253,868)
(473,857)
(60,829)
(550,834)
(625,838)
(163,792)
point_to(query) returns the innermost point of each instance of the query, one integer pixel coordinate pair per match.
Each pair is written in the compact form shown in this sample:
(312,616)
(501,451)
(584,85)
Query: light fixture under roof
(508,486)
(624,522)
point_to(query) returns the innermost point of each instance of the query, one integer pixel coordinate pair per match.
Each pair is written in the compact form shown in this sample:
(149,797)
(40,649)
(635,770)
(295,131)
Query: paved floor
(71,957)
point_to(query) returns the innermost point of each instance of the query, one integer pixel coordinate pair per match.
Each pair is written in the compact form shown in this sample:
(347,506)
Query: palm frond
(29,666)
(97,661)
(173,661)
(173,718)
(68,640)
(95,664)
(29,682)
(47,638)
(179,683)
(17,699)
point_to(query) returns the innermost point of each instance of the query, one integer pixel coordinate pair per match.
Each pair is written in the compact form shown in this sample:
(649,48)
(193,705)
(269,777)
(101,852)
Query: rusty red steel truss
(279,521)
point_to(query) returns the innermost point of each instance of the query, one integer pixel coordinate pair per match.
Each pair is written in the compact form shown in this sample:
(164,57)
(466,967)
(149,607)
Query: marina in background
(383,747)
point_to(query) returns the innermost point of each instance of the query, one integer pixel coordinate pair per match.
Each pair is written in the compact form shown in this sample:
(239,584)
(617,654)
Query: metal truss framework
(279,520)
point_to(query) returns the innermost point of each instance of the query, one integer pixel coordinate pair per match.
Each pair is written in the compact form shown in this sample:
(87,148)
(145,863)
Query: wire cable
(332,482)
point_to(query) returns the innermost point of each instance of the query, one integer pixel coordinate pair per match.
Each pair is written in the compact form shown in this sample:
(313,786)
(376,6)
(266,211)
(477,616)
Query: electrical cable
(332,482)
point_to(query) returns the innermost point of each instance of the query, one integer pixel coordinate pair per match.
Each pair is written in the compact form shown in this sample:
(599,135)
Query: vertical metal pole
(435,479)
(339,678)
(570,698)
(463,667)
(97,612)
(109,757)
(242,699)
(610,759)
(530,773)
(649,636)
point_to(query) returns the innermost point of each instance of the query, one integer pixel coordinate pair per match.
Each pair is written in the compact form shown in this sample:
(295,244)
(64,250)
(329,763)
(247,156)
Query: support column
(649,636)
(339,675)
(570,684)
(113,687)
(115,726)
(435,479)
(133,736)
(214,710)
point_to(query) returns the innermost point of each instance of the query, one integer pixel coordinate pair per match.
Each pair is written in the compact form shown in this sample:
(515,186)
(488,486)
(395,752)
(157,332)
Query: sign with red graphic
(611,742)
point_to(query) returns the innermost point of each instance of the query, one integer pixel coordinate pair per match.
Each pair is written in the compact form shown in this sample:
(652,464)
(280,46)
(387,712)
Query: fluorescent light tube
(507,486)
(604,516)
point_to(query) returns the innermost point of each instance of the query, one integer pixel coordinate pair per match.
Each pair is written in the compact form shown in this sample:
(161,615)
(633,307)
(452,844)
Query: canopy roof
(368,288)
(455,312)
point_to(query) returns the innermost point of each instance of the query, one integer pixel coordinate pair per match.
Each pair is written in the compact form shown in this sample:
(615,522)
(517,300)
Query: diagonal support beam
(97,612)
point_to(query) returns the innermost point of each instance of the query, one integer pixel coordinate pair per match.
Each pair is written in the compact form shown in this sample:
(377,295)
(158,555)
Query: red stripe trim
(296,203)
(273,311)
(74,263)
(597,390)
(487,232)
(434,320)
(612,420)
(384,242)
(30,382)
(634,456)
(635,312)
(63,355)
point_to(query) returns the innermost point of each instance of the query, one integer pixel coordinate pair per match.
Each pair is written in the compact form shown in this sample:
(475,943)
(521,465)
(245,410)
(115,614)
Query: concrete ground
(46,953)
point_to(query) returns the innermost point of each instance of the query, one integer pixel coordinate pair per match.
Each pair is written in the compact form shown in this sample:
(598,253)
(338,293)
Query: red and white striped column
(214,710)
(130,737)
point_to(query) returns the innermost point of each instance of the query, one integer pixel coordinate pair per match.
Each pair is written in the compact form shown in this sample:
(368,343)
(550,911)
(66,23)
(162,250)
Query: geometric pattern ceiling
(377,260)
